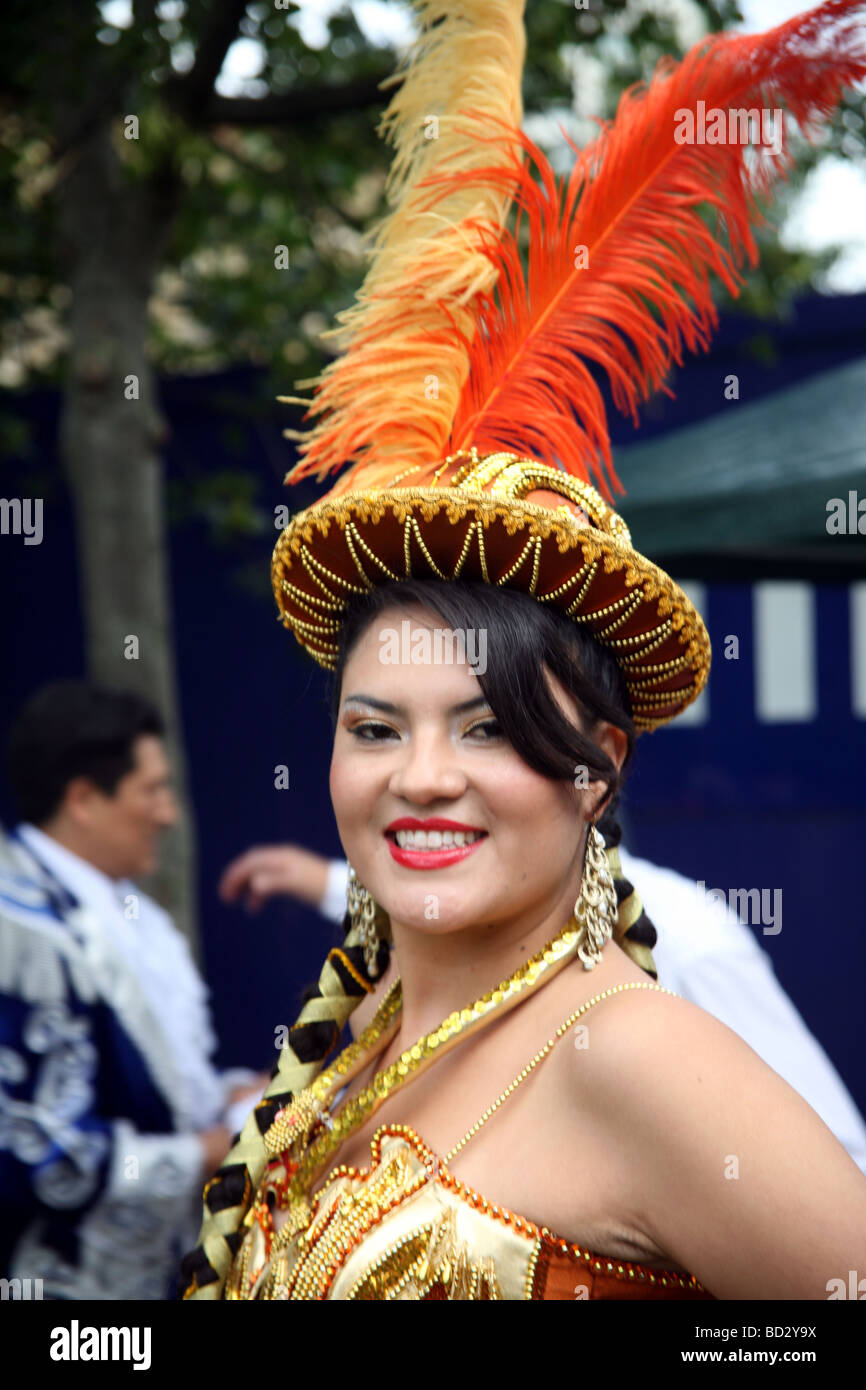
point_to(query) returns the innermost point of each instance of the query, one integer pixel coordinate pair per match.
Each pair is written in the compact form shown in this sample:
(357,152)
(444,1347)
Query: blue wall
(731,801)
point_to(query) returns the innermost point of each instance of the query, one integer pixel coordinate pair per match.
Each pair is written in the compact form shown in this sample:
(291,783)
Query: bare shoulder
(740,1180)
(631,1046)
(647,1051)
(654,1031)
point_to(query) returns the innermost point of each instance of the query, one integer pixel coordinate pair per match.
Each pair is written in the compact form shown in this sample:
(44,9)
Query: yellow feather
(388,401)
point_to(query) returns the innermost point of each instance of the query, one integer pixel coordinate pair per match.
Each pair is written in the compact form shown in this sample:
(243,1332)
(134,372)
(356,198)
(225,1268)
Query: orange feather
(633,201)
(637,201)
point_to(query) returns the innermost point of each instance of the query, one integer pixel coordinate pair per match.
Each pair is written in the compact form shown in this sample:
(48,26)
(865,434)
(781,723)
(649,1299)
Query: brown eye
(371,731)
(492,729)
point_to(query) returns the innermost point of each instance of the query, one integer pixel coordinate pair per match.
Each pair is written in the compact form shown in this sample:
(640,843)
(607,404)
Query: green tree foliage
(291,161)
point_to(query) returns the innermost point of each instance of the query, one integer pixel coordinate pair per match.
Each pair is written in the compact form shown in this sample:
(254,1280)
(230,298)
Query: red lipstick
(434,823)
(431,858)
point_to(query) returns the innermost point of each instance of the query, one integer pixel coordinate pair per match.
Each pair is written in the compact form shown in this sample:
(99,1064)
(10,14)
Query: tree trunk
(112,429)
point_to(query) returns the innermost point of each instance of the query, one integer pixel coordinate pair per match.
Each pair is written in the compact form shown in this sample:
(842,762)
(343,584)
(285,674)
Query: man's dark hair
(73,729)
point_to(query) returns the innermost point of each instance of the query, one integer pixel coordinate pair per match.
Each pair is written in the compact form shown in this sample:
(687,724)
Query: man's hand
(215,1144)
(271,870)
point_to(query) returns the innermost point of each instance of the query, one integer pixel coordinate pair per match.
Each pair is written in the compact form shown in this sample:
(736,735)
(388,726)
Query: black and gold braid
(633,931)
(343,983)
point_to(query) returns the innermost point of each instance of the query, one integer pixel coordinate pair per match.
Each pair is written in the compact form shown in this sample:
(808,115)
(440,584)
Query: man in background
(112,1115)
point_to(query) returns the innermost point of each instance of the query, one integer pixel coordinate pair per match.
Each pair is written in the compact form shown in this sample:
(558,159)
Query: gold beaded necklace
(302,1213)
(305,1133)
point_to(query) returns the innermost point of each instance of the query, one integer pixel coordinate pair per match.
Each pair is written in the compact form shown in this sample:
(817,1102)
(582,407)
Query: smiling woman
(505,1126)
(496,1067)
(508,767)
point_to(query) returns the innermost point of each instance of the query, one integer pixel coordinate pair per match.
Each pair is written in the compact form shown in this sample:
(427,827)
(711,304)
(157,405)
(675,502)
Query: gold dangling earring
(596,907)
(361,906)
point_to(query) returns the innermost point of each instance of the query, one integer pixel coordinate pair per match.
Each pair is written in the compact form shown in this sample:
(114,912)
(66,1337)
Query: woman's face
(418,742)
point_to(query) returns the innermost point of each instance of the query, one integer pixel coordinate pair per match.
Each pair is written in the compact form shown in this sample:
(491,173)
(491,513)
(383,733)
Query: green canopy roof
(755,474)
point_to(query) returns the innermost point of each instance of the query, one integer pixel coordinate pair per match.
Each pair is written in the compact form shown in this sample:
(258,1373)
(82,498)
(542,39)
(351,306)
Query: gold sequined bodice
(406,1228)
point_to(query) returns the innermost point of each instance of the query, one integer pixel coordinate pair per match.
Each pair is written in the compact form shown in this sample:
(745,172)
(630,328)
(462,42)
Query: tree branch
(109,77)
(291,107)
(192,91)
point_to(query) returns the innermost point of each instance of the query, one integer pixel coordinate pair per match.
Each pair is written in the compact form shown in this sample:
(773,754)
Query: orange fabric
(561,1274)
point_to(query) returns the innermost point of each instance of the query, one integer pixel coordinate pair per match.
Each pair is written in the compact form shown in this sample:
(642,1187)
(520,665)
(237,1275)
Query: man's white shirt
(160,958)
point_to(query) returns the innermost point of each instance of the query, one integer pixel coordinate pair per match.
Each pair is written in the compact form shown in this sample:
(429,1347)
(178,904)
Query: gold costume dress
(404,1227)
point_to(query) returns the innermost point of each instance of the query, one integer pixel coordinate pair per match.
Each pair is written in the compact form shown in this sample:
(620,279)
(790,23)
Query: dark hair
(523,637)
(73,729)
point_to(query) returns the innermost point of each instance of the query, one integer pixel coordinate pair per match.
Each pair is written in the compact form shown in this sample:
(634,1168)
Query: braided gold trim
(331,1005)
(610,548)
(302,599)
(352,533)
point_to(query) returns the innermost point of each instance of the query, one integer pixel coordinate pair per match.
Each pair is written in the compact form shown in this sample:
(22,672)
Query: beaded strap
(542,1053)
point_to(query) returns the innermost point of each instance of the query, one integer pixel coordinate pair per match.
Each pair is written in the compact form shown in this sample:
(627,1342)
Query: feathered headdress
(429,266)
(619,254)
(465,411)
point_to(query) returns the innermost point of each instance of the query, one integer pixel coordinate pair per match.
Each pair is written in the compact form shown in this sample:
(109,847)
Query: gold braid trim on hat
(486,496)
(228,1195)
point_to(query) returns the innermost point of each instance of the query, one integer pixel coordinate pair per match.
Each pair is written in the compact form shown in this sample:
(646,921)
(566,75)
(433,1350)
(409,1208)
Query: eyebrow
(388,708)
